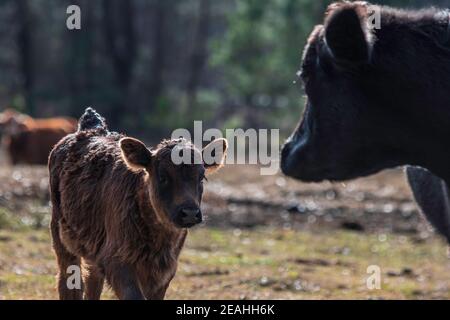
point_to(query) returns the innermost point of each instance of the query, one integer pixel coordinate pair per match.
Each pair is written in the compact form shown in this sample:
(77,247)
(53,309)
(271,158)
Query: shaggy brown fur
(117,206)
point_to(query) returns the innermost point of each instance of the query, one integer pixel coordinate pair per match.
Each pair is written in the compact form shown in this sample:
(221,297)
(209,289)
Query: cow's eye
(163,180)
(303,74)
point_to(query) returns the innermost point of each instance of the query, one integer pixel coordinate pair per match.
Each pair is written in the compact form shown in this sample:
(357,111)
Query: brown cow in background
(28,140)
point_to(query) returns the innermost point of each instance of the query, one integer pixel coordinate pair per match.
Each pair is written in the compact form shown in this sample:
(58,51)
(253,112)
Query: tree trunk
(199,53)
(159,52)
(25,45)
(80,63)
(120,39)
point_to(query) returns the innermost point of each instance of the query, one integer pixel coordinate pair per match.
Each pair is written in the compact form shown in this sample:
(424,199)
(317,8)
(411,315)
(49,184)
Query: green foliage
(207,104)
(242,60)
(164,114)
(8,221)
(261,52)
(18,103)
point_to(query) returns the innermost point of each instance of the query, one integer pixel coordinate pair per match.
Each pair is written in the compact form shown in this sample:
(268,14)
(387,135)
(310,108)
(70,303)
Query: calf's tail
(91,120)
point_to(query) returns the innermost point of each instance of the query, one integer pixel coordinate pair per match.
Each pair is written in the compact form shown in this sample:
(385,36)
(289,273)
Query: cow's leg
(159,294)
(123,281)
(433,197)
(154,285)
(93,283)
(65,260)
(154,290)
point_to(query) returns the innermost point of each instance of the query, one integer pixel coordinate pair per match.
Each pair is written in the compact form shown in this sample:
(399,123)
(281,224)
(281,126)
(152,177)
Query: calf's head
(366,89)
(175,189)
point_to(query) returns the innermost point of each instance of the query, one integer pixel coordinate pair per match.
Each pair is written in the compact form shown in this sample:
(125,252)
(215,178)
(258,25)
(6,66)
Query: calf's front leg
(123,281)
(156,294)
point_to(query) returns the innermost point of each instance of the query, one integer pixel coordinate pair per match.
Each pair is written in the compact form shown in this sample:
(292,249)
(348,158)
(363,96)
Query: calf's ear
(347,33)
(214,155)
(135,154)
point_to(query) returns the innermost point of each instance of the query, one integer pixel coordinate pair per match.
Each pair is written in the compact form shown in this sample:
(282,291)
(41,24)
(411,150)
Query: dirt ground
(265,237)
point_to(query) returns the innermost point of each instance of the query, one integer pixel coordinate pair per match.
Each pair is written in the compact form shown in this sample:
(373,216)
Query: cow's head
(175,189)
(358,99)
(12,122)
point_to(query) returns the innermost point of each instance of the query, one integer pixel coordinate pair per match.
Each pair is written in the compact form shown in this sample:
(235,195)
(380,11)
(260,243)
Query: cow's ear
(214,155)
(135,154)
(347,33)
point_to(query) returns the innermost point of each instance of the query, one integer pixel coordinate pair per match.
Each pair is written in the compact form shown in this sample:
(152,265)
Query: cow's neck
(430,148)
(438,162)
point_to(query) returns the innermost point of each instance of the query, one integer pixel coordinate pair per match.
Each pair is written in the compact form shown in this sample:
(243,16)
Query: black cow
(377,98)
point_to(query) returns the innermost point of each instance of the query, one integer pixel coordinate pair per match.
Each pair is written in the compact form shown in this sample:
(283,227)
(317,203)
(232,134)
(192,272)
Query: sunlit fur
(119,221)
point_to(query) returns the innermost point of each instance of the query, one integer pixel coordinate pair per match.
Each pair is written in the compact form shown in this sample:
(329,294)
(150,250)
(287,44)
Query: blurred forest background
(150,66)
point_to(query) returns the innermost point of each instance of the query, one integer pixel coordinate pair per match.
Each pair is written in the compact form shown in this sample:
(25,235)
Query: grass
(260,263)
(8,220)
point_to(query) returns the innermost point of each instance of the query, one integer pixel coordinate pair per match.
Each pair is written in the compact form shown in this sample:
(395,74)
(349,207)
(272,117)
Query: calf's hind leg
(68,290)
(93,283)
